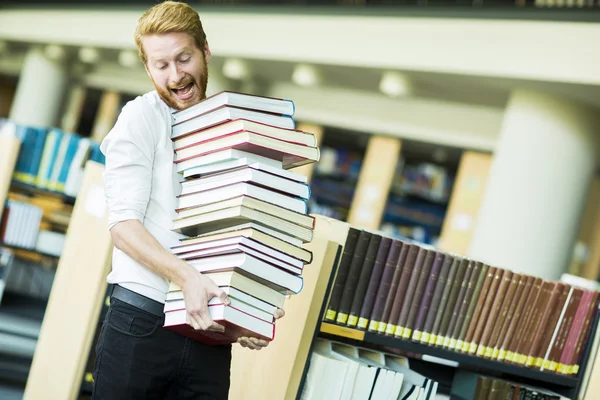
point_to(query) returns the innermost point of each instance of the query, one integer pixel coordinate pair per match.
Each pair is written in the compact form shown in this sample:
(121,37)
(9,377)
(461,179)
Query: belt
(137,300)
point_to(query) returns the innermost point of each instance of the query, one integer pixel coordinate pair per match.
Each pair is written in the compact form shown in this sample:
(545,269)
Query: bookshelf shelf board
(464,361)
(31,190)
(41,253)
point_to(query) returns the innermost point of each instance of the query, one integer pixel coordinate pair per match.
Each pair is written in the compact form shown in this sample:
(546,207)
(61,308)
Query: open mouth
(184,92)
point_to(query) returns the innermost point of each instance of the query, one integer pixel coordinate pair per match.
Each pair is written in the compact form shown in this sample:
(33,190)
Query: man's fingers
(279,313)
(220,293)
(259,342)
(208,323)
(245,342)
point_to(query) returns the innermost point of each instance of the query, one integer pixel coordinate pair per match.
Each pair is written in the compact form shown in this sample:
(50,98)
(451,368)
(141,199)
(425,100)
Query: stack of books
(242,210)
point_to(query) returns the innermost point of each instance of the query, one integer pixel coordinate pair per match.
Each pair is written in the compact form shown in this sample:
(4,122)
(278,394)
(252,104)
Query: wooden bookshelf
(79,290)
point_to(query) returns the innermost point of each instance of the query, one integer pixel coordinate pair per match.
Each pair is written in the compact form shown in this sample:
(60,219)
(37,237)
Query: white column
(542,167)
(40,90)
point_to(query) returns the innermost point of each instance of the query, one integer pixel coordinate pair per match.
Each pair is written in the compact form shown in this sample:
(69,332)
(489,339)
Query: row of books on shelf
(241,211)
(471,386)
(20,227)
(50,159)
(415,292)
(339,371)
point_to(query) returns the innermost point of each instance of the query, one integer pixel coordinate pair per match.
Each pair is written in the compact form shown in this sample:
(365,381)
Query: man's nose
(176,74)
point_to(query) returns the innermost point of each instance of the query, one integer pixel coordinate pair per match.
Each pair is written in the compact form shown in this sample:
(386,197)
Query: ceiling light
(234,68)
(395,84)
(55,52)
(306,75)
(128,58)
(88,55)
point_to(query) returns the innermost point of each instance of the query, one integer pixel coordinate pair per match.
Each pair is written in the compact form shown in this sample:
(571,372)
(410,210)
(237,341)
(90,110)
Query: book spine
(473,300)
(356,293)
(353,273)
(483,350)
(365,304)
(342,274)
(436,299)
(474,279)
(380,325)
(480,300)
(425,306)
(485,310)
(553,359)
(452,297)
(583,339)
(553,321)
(383,289)
(541,329)
(410,292)
(398,301)
(507,317)
(504,353)
(464,284)
(417,300)
(444,301)
(529,324)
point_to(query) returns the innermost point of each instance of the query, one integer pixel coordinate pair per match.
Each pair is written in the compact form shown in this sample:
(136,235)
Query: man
(135,357)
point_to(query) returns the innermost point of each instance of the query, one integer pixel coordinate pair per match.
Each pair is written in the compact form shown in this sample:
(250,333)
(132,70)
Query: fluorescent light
(395,84)
(237,69)
(306,75)
(88,55)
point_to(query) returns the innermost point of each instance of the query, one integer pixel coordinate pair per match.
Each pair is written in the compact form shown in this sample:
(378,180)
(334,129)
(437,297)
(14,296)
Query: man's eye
(184,60)
(162,66)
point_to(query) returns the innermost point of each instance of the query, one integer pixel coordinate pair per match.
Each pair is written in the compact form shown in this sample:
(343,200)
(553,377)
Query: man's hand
(197,292)
(257,344)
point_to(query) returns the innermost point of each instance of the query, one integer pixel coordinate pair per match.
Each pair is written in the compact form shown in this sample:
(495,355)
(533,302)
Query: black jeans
(136,358)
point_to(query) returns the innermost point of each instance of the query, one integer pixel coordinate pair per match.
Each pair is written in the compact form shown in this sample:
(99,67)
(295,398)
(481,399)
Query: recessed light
(306,75)
(88,55)
(235,68)
(395,84)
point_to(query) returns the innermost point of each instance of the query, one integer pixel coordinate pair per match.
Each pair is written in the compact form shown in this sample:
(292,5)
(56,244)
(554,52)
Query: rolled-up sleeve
(129,150)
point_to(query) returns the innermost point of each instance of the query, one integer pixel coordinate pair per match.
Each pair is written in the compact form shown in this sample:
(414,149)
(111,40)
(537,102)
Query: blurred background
(470,125)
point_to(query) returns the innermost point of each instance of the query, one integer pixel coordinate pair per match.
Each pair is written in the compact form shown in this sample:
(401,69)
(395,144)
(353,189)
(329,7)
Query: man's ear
(206,52)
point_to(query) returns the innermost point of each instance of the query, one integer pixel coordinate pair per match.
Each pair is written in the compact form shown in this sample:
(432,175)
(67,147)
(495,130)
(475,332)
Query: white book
(175,305)
(226,155)
(206,170)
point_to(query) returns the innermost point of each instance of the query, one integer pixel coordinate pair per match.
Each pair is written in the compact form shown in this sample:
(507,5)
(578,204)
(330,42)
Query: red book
(237,324)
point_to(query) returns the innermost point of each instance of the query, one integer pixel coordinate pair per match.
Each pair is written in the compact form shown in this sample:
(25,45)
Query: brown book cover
(508,312)
(483,350)
(485,310)
(424,308)
(383,290)
(513,284)
(398,302)
(410,291)
(530,322)
(367,285)
(381,324)
(358,258)
(552,360)
(417,299)
(464,284)
(470,301)
(505,353)
(576,327)
(354,295)
(437,297)
(558,329)
(451,304)
(442,309)
(573,368)
(540,329)
(479,302)
(342,274)
(555,312)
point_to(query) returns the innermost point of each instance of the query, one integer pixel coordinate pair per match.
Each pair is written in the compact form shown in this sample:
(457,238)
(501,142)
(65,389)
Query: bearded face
(177,67)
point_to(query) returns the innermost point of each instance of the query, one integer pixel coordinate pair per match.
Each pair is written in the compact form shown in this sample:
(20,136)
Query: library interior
(415,183)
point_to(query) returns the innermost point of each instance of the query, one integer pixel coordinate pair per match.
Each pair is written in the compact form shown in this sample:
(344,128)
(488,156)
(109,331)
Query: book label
(529,361)
(363,323)
(495,353)
(390,329)
(452,343)
(382,328)
(425,336)
(465,347)
(480,351)
(330,315)
(433,340)
(406,333)
(562,368)
(522,359)
(417,335)
(342,318)
(352,320)
(539,362)
(575,369)
(509,356)
(446,341)
(398,331)
(440,340)
(569,370)
(553,366)
(473,348)
(488,351)
(501,355)
(459,345)
(374,326)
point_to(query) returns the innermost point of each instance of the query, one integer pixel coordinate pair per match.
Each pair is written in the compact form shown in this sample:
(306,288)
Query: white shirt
(141,183)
